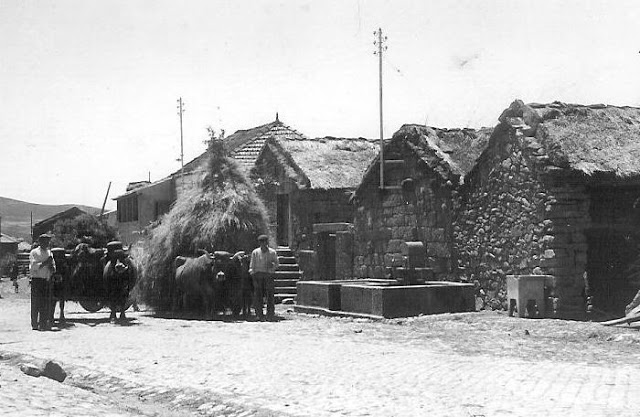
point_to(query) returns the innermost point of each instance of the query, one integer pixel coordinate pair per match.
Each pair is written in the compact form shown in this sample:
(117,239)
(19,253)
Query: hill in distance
(16,215)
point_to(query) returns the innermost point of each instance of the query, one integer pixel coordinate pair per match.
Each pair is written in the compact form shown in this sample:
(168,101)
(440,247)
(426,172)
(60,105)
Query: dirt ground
(449,364)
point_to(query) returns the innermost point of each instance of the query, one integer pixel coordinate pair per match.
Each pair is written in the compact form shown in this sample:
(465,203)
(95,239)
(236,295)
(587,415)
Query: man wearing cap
(262,267)
(41,268)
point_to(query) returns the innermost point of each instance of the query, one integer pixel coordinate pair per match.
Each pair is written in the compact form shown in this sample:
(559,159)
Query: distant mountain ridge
(16,215)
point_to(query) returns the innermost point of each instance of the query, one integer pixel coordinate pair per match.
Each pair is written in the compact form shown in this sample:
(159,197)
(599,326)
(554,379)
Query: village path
(472,364)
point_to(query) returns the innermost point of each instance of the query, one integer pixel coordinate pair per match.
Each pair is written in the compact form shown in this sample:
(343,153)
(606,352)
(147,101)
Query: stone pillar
(344,255)
(308,264)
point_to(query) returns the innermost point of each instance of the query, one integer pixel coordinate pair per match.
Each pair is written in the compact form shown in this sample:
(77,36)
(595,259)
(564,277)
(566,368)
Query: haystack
(222,213)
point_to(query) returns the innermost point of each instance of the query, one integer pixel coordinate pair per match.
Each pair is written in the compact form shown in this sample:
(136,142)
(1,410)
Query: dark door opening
(613,268)
(282,218)
(326,250)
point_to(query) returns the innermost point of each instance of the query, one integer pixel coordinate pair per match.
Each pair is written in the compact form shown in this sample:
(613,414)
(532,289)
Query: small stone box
(325,294)
(526,295)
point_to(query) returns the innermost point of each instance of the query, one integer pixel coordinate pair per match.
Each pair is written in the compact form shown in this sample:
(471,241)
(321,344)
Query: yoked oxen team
(219,281)
(95,277)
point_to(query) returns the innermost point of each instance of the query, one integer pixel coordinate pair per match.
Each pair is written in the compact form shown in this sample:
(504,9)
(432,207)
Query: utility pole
(380,41)
(180,112)
(104,203)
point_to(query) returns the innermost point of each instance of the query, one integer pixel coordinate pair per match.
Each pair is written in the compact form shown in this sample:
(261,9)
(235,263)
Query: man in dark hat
(41,269)
(263,265)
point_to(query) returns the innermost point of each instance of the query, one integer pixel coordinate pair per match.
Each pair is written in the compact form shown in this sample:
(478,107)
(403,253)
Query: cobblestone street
(472,364)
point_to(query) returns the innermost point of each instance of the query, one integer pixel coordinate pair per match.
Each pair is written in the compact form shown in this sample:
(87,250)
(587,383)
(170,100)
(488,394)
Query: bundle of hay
(223,212)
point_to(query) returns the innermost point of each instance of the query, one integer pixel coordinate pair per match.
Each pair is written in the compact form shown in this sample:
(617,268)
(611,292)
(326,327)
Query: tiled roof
(247,153)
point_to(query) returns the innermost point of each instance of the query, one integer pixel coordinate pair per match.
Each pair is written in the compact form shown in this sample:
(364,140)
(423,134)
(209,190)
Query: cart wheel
(91,306)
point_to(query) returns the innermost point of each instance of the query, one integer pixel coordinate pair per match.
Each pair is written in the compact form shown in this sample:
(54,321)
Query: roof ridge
(562,105)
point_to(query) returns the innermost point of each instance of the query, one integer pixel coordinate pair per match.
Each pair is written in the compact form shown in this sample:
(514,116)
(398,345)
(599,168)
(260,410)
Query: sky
(89,89)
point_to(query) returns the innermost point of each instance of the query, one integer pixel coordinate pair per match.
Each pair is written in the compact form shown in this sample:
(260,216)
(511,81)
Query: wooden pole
(180,112)
(381,47)
(104,203)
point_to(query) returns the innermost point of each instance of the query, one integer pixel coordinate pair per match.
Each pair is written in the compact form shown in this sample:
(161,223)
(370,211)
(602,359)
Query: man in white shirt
(262,267)
(41,268)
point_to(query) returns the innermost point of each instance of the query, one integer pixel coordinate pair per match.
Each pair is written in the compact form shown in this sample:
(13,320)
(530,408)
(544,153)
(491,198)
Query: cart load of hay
(221,213)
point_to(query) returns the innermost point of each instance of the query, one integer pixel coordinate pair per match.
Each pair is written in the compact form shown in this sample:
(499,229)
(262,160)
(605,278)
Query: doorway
(282,219)
(613,265)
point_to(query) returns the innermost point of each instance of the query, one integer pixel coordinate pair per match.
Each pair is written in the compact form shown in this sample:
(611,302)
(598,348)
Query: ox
(197,277)
(60,284)
(85,278)
(240,262)
(217,278)
(77,275)
(119,276)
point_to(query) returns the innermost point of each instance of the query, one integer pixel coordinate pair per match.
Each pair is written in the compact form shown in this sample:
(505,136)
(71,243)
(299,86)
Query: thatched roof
(331,162)
(587,138)
(451,153)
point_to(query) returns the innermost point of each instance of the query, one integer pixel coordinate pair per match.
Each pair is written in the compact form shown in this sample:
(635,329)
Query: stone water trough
(411,292)
(388,298)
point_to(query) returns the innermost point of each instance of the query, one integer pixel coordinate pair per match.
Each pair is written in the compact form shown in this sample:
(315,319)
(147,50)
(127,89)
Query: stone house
(557,192)
(46,225)
(8,246)
(142,204)
(306,182)
(423,168)
(302,181)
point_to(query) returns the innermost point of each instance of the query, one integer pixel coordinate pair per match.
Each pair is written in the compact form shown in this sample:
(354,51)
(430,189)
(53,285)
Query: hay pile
(222,213)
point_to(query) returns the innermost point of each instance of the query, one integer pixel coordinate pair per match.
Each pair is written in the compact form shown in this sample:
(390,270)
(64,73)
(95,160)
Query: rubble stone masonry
(520,215)
(385,219)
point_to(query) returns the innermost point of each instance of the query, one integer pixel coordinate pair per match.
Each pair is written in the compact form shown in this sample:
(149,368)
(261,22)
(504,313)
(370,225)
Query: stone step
(279,298)
(287,260)
(286,252)
(279,283)
(288,275)
(289,267)
(287,290)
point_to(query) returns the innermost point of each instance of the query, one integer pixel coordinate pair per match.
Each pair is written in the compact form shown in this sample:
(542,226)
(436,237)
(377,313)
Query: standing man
(41,268)
(262,267)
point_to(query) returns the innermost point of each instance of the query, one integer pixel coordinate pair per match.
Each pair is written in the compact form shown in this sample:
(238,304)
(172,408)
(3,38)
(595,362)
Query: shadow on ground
(191,316)
(93,322)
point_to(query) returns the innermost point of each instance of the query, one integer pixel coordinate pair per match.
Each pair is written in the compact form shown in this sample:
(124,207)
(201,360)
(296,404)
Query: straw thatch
(593,139)
(222,213)
(331,163)
(450,153)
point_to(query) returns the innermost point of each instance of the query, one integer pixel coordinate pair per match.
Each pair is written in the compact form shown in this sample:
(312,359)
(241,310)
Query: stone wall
(309,206)
(384,220)
(313,206)
(519,215)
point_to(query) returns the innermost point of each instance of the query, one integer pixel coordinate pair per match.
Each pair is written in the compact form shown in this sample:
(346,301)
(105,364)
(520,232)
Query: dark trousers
(263,285)
(40,303)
